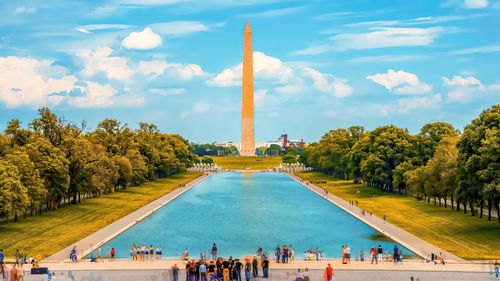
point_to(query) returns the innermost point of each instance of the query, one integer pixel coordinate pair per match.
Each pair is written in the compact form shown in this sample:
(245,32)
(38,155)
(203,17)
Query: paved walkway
(274,275)
(404,238)
(100,237)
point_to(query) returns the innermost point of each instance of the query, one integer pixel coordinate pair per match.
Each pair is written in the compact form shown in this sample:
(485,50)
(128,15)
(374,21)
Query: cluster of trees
(214,150)
(55,162)
(439,163)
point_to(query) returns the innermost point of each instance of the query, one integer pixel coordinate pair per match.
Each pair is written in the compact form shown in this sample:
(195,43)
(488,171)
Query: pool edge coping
(372,225)
(163,200)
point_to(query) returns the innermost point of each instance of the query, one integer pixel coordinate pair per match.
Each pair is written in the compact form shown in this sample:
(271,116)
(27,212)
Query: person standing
(18,257)
(112,254)
(495,267)
(260,252)
(143,252)
(380,252)
(291,253)
(1,256)
(214,252)
(202,255)
(248,266)
(278,253)
(203,271)
(347,254)
(284,255)
(20,274)
(237,270)
(343,254)
(265,267)
(255,269)
(306,274)
(396,254)
(373,254)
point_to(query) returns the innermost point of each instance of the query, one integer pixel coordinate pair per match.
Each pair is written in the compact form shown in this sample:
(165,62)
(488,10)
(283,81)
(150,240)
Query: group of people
(15,273)
(223,269)
(285,254)
(142,252)
(203,255)
(313,254)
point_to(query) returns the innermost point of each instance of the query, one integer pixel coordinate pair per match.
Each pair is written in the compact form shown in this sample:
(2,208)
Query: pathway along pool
(240,211)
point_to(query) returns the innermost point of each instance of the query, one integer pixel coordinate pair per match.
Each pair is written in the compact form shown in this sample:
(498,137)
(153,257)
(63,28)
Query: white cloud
(461,81)
(404,105)
(91,27)
(24,10)
(143,40)
(476,4)
(264,68)
(377,37)
(388,58)
(393,79)
(100,60)
(94,95)
(31,82)
(468,89)
(290,89)
(273,13)
(179,28)
(180,71)
(286,78)
(483,49)
(382,37)
(167,91)
(327,83)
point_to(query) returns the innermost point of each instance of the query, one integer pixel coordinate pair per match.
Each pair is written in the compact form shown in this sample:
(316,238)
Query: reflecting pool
(240,211)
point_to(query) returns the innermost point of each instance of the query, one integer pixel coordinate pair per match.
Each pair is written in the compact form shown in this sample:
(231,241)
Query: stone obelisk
(247,123)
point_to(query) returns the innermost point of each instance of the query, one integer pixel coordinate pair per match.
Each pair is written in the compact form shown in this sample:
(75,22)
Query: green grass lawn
(52,231)
(248,162)
(461,234)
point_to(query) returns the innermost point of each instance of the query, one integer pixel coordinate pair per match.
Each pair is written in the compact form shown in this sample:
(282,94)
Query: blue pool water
(240,211)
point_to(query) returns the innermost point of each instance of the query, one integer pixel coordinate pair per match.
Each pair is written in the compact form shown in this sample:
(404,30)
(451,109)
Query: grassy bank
(461,234)
(52,231)
(248,163)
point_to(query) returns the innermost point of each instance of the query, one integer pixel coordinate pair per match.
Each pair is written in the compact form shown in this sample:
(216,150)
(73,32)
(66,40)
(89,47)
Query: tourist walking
(214,252)
(328,276)
(373,254)
(265,267)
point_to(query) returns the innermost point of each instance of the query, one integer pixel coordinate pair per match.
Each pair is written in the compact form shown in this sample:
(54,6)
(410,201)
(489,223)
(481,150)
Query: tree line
(439,163)
(55,162)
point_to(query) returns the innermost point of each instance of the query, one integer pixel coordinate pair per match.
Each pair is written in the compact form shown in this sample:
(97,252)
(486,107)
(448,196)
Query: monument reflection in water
(240,211)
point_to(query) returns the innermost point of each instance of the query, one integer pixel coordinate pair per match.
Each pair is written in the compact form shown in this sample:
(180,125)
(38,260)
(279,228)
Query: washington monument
(247,123)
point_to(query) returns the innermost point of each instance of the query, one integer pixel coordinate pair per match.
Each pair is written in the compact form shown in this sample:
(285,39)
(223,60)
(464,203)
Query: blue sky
(318,65)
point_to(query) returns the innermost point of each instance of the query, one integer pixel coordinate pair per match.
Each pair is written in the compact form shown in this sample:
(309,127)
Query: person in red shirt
(112,254)
(328,276)
(373,253)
